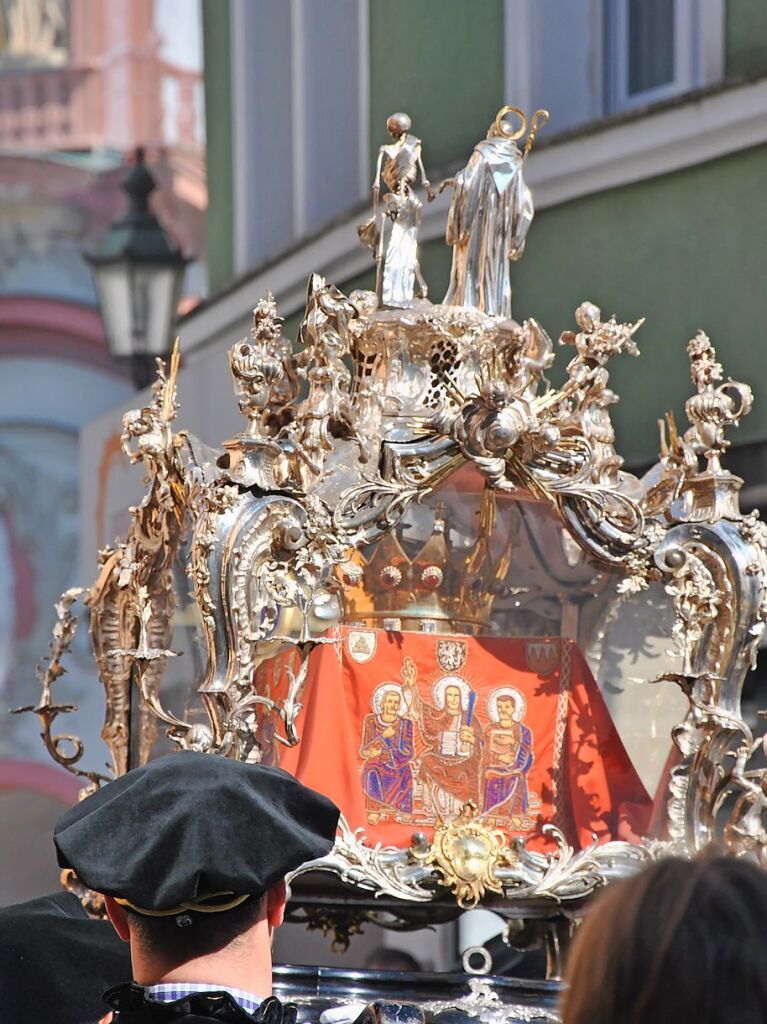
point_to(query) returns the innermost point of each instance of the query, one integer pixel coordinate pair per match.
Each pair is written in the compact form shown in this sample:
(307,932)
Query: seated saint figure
(387,750)
(508,756)
(450,768)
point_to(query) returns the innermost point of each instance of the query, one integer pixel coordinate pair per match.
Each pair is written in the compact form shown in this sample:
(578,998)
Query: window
(589,58)
(299,80)
(651,45)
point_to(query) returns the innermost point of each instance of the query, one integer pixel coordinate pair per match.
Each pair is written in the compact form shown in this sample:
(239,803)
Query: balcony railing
(66,109)
(35,109)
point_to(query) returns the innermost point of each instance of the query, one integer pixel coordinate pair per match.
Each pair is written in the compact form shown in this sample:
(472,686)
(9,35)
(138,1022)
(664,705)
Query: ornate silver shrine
(283,531)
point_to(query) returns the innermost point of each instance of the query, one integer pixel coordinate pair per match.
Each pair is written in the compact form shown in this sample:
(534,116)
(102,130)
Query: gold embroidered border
(560,728)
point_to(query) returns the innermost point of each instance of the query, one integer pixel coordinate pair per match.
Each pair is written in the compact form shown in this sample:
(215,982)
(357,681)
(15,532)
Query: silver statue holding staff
(491,211)
(397,268)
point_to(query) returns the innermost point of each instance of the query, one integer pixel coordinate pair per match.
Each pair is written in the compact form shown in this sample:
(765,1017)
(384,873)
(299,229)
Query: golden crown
(441,586)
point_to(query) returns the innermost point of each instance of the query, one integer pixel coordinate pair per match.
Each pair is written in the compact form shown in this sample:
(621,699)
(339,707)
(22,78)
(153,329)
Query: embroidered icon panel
(402,729)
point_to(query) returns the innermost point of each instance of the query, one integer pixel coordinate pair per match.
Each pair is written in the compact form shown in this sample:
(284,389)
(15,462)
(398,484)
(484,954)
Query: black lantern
(138,271)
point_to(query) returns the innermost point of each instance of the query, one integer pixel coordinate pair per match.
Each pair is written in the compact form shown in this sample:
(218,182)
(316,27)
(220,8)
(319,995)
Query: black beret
(56,962)
(191,825)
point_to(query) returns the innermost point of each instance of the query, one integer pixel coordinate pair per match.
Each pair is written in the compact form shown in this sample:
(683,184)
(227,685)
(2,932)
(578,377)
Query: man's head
(506,708)
(202,946)
(679,941)
(159,945)
(391,703)
(191,852)
(45,945)
(453,700)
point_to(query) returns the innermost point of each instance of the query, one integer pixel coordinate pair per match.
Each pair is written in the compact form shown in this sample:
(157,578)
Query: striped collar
(168,991)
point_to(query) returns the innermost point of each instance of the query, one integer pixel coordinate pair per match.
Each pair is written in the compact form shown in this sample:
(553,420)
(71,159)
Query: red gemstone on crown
(391,576)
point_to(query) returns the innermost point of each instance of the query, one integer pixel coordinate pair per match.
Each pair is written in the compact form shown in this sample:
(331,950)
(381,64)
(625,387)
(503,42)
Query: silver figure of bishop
(490,214)
(397,266)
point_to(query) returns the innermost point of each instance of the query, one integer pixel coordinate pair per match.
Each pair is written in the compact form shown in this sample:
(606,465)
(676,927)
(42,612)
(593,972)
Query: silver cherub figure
(397,266)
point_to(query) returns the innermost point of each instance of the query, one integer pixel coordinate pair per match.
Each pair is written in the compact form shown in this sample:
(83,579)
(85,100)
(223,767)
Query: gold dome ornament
(466,854)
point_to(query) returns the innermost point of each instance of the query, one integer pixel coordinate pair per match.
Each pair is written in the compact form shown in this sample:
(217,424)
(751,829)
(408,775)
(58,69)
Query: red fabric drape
(400,729)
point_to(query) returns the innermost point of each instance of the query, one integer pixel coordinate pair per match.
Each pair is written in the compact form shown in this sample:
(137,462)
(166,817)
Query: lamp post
(138,272)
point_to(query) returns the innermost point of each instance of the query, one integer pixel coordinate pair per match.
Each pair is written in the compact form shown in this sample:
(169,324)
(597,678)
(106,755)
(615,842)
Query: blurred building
(82,83)
(648,184)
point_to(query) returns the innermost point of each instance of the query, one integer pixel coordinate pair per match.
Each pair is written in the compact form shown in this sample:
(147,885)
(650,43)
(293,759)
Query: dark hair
(203,934)
(387,958)
(682,941)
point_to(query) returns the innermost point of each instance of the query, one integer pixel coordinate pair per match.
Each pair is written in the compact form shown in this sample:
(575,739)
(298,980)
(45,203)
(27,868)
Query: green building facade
(671,225)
